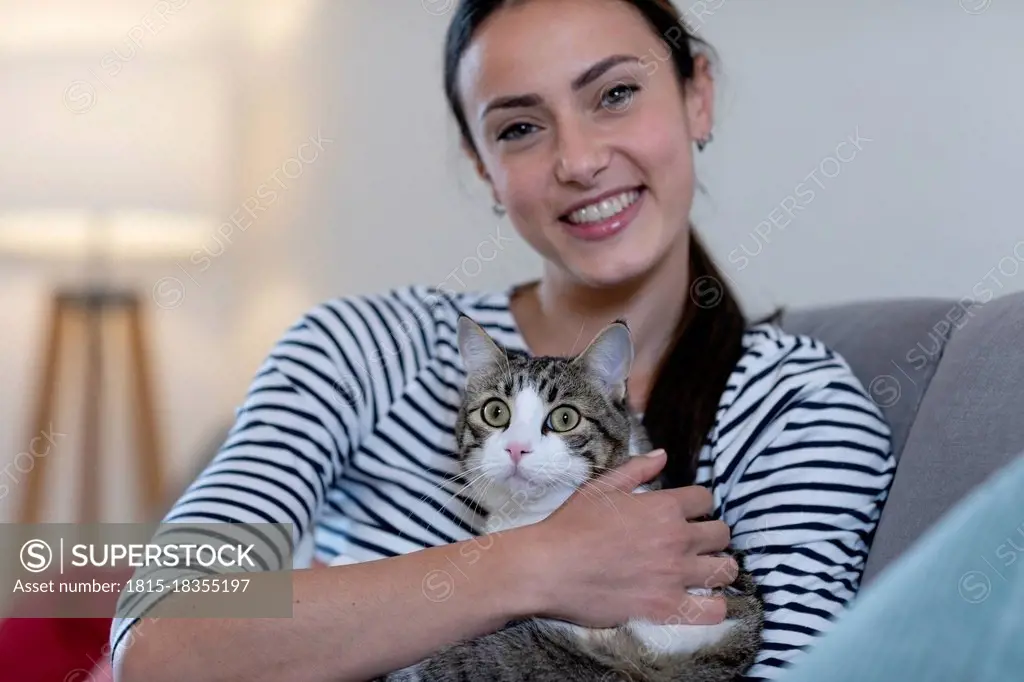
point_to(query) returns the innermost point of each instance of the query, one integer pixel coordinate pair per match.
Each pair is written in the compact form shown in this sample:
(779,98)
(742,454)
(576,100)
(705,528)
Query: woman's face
(584,133)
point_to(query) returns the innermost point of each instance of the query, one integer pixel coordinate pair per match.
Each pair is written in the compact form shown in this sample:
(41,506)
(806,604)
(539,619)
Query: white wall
(927,207)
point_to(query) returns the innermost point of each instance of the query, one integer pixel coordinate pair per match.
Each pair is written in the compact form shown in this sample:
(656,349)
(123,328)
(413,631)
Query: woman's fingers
(706,611)
(708,537)
(696,500)
(647,571)
(711,571)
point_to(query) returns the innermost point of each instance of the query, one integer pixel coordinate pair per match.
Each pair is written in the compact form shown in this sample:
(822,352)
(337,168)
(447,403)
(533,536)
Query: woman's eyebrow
(583,80)
(598,69)
(511,102)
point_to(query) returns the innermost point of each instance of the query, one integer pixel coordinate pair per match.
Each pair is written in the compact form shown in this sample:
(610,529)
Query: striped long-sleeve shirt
(347,433)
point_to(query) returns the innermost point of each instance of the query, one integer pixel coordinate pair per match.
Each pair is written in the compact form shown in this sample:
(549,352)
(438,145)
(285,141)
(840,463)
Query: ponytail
(683,403)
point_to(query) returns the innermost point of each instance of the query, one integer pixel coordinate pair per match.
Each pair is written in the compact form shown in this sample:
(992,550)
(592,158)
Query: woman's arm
(350,622)
(302,417)
(588,562)
(805,475)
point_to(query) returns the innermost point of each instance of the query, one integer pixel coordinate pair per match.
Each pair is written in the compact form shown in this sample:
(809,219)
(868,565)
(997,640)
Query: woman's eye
(619,97)
(516,131)
(563,419)
(496,413)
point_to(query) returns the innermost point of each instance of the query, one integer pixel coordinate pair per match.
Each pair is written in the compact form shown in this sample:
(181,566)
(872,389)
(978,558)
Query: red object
(52,649)
(58,649)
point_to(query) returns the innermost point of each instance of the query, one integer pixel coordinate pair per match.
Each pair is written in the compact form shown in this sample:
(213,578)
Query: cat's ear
(609,357)
(479,351)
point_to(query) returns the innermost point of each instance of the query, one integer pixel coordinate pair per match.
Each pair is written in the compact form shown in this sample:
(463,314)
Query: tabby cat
(529,432)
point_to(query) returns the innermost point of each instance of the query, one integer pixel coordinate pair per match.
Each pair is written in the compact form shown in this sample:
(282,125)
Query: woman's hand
(609,554)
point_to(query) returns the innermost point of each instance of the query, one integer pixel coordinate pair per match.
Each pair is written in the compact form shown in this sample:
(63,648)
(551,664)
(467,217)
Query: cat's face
(542,424)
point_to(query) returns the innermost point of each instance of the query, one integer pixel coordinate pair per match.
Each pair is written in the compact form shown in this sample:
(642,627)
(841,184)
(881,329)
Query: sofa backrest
(949,377)
(893,347)
(969,425)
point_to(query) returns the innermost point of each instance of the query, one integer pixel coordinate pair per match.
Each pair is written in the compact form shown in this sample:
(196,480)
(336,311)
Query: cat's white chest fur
(657,639)
(678,639)
(509,510)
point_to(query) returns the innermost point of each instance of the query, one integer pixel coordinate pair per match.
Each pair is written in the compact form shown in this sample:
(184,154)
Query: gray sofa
(949,377)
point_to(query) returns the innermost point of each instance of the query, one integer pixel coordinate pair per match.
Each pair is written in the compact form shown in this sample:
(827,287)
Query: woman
(581,115)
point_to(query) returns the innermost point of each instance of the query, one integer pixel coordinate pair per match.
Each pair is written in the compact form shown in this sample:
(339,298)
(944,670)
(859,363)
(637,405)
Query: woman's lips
(609,227)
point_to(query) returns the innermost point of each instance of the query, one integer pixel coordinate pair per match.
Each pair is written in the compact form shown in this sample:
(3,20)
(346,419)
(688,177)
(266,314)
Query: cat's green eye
(563,419)
(496,413)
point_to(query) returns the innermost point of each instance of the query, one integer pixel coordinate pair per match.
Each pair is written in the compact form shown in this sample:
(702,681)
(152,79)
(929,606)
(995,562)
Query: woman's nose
(581,158)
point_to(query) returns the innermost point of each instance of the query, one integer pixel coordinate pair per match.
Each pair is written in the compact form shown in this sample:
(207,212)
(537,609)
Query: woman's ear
(700,99)
(481,170)
(474,158)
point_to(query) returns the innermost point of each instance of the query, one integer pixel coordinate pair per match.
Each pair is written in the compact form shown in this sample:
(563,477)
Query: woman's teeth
(604,209)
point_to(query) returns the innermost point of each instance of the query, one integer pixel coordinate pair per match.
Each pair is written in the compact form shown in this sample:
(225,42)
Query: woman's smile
(604,216)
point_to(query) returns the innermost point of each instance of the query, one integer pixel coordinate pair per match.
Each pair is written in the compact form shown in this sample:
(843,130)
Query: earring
(704,141)
(499,210)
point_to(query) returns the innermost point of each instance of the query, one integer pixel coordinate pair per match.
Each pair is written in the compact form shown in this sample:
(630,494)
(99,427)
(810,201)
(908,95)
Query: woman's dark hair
(683,403)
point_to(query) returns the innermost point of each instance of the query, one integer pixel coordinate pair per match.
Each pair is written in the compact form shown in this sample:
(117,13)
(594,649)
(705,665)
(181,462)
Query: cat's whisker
(582,490)
(442,488)
(464,488)
(453,496)
(608,477)
(470,470)
(474,482)
(589,494)
(598,496)
(590,489)
(603,495)
(483,493)
(466,469)
(610,480)
(453,478)
(593,493)
(597,489)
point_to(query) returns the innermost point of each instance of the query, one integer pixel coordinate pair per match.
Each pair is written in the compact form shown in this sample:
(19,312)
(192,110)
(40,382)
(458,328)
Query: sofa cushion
(892,346)
(970,423)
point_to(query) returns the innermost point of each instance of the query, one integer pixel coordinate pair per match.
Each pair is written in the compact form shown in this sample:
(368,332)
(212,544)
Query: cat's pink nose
(516,451)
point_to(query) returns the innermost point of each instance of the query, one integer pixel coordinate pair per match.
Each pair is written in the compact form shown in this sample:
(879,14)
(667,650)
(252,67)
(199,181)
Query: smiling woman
(585,137)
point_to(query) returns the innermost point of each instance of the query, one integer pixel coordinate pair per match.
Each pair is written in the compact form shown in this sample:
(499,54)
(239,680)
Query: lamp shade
(113,236)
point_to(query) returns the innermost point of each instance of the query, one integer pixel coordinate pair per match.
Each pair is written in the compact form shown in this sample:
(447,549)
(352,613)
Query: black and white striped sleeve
(804,460)
(292,435)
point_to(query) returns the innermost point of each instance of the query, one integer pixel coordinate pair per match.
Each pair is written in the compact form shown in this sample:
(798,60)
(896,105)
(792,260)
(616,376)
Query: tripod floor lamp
(84,316)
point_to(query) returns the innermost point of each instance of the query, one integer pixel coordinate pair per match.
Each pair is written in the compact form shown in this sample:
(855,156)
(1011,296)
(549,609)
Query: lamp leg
(32,500)
(88,510)
(150,457)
